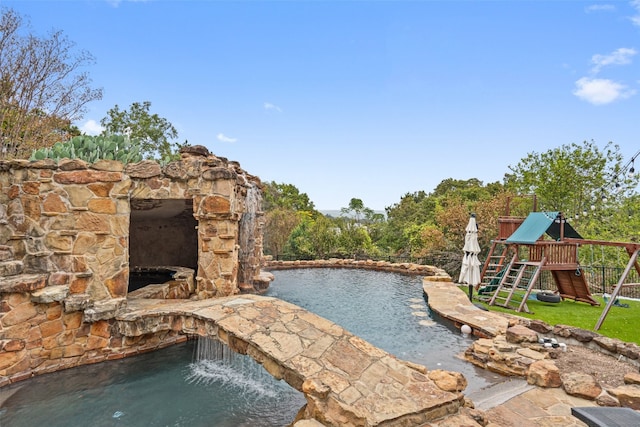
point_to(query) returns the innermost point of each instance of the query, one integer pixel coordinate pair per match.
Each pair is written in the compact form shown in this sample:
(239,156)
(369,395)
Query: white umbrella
(470,271)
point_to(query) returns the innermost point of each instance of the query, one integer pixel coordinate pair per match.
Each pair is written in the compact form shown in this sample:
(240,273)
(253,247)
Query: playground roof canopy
(539,223)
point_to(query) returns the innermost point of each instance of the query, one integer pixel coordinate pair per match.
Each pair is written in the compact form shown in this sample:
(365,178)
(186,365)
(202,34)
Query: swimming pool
(170,388)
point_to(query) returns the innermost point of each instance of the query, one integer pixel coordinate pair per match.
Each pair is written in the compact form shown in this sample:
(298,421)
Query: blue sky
(363,99)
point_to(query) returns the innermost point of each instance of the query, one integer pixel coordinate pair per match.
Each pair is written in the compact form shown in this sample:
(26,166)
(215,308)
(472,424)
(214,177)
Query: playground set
(543,241)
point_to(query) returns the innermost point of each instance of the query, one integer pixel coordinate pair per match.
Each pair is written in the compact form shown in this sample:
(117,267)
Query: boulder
(581,385)
(605,399)
(518,334)
(544,373)
(628,395)
(632,378)
(447,380)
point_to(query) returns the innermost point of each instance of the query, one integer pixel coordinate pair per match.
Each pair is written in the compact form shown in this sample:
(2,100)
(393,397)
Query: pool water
(173,387)
(386,309)
(164,388)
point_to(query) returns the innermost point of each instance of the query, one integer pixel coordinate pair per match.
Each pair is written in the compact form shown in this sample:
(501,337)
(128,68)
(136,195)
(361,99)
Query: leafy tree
(279,223)
(354,239)
(423,239)
(287,196)
(576,179)
(155,133)
(299,244)
(413,208)
(42,87)
(324,236)
(358,210)
(287,212)
(453,216)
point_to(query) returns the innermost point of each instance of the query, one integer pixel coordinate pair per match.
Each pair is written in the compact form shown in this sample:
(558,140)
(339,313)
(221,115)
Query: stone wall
(65,250)
(434,273)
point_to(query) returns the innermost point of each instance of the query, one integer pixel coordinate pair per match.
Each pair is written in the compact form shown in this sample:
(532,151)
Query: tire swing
(546,296)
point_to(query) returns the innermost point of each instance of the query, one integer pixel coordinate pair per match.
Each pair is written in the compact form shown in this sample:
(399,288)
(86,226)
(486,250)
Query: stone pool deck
(346,381)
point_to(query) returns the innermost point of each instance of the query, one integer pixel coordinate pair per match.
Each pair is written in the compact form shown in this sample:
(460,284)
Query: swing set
(544,241)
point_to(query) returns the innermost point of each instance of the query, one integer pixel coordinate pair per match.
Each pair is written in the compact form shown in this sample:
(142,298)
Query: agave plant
(92,149)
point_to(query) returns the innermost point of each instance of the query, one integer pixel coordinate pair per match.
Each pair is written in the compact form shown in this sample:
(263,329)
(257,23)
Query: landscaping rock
(630,350)
(563,331)
(605,399)
(632,378)
(447,380)
(544,373)
(518,334)
(607,343)
(581,385)
(583,335)
(628,395)
(539,326)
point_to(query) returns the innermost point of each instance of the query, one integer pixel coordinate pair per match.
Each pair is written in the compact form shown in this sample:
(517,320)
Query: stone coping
(434,273)
(450,302)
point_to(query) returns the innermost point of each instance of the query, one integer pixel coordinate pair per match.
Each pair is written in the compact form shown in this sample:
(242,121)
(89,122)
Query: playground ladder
(494,265)
(493,269)
(518,276)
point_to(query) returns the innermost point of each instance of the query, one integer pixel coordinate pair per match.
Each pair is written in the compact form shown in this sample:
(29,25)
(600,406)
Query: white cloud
(601,91)
(91,127)
(600,8)
(635,20)
(621,56)
(269,106)
(223,138)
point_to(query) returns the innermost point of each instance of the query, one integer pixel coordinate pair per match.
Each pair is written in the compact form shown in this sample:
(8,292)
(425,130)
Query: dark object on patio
(480,306)
(597,416)
(545,296)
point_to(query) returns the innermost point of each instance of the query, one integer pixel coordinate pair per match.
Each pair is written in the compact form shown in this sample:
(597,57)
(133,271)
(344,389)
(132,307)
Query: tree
(357,209)
(288,196)
(42,88)
(580,180)
(287,211)
(279,223)
(138,123)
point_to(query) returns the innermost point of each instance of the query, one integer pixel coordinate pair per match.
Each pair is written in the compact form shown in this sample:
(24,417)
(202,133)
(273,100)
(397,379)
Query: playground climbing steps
(516,284)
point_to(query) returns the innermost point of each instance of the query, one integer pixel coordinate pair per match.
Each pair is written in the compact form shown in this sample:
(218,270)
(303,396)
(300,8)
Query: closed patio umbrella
(470,270)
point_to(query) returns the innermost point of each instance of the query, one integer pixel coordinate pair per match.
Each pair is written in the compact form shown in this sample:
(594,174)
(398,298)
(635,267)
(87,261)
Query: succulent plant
(92,149)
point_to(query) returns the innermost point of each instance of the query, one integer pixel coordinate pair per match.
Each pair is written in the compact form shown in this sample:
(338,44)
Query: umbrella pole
(470,292)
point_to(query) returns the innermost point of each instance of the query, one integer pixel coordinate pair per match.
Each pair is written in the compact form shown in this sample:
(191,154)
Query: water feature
(199,383)
(184,385)
(248,259)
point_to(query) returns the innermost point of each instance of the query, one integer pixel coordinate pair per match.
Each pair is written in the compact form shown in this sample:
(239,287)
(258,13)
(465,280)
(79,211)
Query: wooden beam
(616,291)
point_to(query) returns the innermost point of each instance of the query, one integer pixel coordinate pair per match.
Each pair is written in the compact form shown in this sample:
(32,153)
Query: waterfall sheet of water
(248,257)
(216,363)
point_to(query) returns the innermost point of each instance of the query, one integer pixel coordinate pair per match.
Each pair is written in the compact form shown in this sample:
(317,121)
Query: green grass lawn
(621,323)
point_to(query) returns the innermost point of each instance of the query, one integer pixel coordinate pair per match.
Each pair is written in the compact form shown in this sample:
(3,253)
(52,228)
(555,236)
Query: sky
(364,99)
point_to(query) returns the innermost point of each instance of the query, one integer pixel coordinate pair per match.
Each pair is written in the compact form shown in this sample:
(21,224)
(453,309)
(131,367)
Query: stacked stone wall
(64,252)
(433,273)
